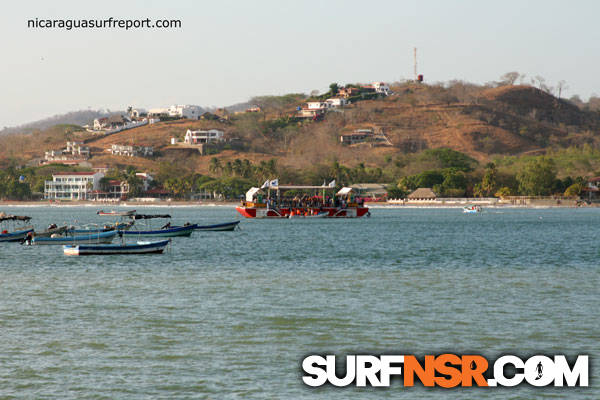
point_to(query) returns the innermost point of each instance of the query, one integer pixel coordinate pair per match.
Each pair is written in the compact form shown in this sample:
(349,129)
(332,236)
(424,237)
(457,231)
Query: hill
(482,122)
(80,117)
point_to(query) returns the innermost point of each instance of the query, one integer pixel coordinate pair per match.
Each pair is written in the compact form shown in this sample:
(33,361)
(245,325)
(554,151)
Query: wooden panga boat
(91,238)
(116,213)
(165,232)
(58,230)
(227,226)
(119,226)
(107,249)
(15,234)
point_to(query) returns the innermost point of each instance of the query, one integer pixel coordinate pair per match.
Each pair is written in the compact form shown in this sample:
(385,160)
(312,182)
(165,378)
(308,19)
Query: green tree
(333,89)
(537,177)
(489,180)
(574,190)
(504,191)
(394,192)
(215,165)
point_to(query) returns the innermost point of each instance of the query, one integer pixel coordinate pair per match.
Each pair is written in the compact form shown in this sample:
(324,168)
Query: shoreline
(231,204)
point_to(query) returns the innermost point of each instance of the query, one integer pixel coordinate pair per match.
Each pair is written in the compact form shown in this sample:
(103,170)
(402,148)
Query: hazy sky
(229,51)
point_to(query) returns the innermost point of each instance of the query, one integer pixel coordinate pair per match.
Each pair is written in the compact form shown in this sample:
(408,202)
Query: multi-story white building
(72,185)
(177,111)
(130,151)
(73,151)
(185,111)
(78,149)
(209,136)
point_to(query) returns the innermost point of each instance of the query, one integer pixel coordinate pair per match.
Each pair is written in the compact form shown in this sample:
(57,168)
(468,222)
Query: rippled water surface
(232,314)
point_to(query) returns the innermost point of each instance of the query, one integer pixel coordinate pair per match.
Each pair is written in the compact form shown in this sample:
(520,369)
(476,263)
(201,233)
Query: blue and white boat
(107,249)
(471,209)
(16,234)
(172,231)
(227,226)
(93,228)
(91,238)
(166,231)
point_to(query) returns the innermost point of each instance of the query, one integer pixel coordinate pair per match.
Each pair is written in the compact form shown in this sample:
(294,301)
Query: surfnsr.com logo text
(447,371)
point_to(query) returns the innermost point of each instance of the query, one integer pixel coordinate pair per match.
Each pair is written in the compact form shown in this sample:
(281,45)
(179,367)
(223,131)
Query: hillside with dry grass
(482,122)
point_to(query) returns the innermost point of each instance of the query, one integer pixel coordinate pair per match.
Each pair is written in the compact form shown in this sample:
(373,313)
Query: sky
(229,51)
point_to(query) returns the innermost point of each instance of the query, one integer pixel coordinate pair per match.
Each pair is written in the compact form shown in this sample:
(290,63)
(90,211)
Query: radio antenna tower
(415,56)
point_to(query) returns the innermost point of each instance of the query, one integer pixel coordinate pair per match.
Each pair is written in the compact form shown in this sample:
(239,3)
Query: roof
(422,193)
(344,191)
(75,173)
(370,187)
(251,192)
(5,217)
(594,179)
(116,119)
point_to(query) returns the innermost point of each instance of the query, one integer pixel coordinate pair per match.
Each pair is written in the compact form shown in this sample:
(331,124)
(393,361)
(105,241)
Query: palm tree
(215,165)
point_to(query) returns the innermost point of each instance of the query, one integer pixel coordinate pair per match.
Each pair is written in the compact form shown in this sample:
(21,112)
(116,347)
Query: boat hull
(116,213)
(94,238)
(111,249)
(16,235)
(332,212)
(169,232)
(227,226)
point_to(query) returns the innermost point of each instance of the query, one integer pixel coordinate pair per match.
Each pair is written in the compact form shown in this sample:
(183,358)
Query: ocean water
(231,315)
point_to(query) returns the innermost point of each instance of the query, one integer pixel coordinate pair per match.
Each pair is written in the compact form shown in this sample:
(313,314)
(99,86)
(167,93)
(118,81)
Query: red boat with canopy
(297,201)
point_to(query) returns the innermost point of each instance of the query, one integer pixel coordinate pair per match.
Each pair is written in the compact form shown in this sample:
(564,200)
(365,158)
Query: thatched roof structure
(422,194)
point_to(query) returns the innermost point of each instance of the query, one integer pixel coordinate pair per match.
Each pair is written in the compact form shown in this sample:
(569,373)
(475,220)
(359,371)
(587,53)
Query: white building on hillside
(209,136)
(336,102)
(316,105)
(131,151)
(146,179)
(72,185)
(185,111)
(381,87)
(158,112)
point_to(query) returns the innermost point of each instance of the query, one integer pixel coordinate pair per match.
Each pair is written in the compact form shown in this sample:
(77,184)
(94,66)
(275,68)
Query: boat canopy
(117,213)
(5,217)
(344,191)
(150,216)
(301,187)
(250,193)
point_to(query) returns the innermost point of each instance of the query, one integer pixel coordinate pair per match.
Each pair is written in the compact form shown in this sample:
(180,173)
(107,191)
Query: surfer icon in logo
(539,368)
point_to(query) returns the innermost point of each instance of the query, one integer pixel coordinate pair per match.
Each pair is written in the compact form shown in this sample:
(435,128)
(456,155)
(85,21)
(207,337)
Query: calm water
(232,314)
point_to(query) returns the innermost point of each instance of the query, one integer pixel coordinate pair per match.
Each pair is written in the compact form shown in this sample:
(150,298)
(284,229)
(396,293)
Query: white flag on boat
(332,183)
(265,185)
(274,183)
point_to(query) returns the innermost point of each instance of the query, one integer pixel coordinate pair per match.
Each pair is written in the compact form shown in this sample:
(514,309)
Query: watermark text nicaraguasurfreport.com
(103,23)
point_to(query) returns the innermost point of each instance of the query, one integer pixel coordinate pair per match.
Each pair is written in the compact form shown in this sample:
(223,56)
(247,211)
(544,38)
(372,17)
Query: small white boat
(471,209)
